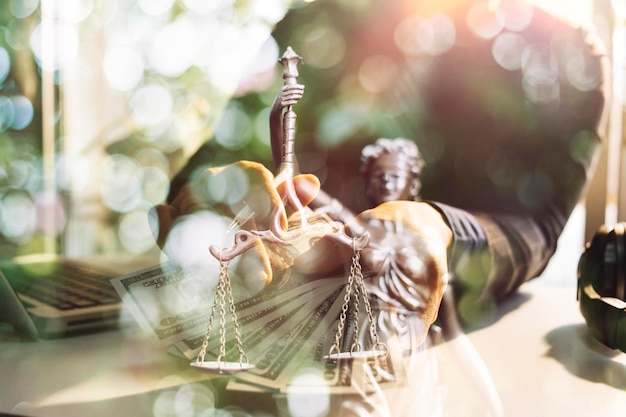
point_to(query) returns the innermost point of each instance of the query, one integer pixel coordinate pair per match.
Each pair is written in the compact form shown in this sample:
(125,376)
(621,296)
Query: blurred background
(104,102)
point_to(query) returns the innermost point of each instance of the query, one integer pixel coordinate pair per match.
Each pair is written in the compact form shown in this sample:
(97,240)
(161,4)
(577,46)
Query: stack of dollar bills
(285,331)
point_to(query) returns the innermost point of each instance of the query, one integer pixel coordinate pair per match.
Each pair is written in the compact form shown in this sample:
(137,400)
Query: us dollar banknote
(172,303)
(305,349)
(284,330)
(263,327)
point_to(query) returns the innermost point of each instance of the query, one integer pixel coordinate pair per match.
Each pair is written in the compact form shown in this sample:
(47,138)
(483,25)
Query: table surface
(538,355)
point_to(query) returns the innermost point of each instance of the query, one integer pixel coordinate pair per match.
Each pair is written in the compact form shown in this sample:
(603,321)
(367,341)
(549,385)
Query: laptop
(46,296)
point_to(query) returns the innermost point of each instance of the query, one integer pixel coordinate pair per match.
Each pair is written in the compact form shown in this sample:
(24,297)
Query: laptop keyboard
(68,287)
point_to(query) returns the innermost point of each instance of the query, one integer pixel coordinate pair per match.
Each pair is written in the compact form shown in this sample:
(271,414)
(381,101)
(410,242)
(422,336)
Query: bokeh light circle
(173,47)
(151,105)
(264,61)
(406,36)
(540,72)
(7,112)
(262,126)
(120,184)
(135,233)
(41,44)
(583,73)
(377,73)
(152,157)
(507,50)
(23,112)
(324,47)
(514,15)
(482,20)
(155,185)
(23,8)
(433,35)
(123,67)
(20,216)
(188,242)
(301,402)
(74,173)
(234,129)
(5,64)
(17,35)
(23,173)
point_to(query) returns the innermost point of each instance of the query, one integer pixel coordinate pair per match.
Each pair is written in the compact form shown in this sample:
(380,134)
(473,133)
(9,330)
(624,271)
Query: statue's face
(387,180)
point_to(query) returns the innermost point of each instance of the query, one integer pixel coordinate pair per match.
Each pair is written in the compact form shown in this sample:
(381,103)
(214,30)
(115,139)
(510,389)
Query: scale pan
(357,354)
(222,368)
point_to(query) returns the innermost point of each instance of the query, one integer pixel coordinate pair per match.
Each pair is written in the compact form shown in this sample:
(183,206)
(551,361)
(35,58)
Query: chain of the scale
(347,301)
(277,364)
(283,321)
(223,291)
(243,358)
(303,349)
(377,345)
(364,374)
(260,342)
(294,340)
(216,301)
(289,350)
(356,288)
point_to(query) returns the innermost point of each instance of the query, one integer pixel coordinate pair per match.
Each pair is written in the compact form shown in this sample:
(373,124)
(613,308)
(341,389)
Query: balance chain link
(233,314)
(356,266)
(342,317)
(373,328)
(222,300)
(205,342)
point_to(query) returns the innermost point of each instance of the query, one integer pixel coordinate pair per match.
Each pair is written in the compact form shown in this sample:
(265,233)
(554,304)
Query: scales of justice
(355,288)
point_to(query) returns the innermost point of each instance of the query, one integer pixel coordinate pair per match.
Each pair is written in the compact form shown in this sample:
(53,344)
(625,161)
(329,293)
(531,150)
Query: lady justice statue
(403,270)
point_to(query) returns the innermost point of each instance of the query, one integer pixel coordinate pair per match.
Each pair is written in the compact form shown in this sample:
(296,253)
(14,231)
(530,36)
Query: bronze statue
(398,262)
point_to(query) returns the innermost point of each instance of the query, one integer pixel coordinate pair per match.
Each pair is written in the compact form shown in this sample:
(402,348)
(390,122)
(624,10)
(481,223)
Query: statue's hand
(290,94)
